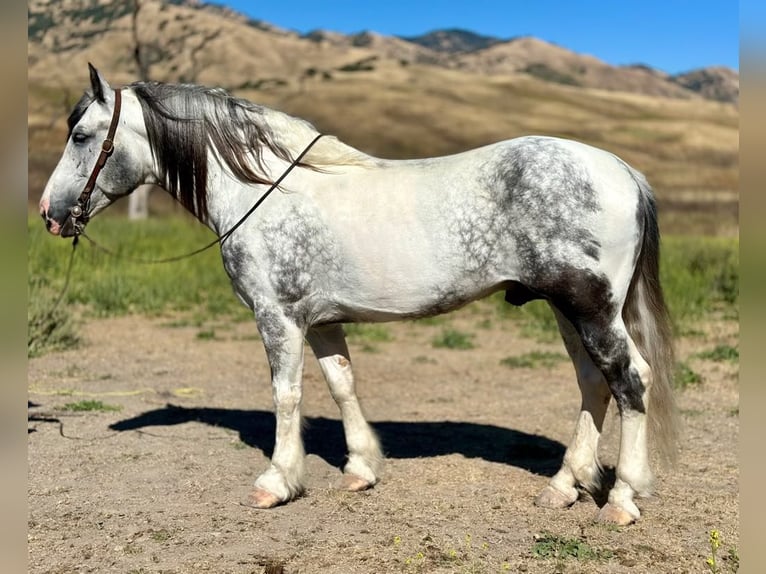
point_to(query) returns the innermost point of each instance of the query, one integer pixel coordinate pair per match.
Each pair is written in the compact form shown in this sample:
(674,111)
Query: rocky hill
(714,83)
(453,41)
(187,40)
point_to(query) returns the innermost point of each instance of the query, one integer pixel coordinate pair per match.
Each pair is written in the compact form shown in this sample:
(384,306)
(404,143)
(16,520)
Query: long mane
(185,121)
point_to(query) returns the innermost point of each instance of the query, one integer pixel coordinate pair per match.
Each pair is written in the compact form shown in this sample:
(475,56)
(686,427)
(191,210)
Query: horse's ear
(98,84)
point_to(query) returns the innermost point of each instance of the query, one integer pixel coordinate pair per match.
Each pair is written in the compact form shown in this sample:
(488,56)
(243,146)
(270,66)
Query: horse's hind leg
(580,464)
(629,378)
(364,459)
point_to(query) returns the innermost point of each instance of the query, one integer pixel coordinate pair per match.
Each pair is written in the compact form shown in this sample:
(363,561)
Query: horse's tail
(648,322)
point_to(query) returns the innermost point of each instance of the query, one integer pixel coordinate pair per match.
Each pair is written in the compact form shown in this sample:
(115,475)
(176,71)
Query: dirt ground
(155,486)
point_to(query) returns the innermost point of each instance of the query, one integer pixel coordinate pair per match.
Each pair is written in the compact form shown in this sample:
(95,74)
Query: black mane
(183,121)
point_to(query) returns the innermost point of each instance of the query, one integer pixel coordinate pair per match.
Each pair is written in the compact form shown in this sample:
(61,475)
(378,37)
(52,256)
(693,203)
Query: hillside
(187,40)
(398,98)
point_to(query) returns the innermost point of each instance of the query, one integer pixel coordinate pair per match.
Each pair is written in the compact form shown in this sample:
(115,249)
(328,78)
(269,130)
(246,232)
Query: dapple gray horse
(348,237)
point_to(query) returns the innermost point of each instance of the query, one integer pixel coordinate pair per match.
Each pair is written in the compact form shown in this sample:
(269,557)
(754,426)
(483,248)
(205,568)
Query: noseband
(79,212)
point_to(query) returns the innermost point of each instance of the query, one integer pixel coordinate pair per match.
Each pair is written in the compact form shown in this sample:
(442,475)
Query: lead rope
(49,315)
(217,240)
(66,280)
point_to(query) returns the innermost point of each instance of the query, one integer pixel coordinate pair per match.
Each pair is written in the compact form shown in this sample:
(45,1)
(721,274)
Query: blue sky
(671,35)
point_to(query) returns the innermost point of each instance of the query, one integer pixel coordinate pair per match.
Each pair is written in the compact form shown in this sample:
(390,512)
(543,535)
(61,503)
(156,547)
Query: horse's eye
(79,137)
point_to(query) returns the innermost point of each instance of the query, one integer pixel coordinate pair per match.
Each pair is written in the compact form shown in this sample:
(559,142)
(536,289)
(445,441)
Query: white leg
(282,481)
(365,460)
(580,465)
(629,378)
(633,472)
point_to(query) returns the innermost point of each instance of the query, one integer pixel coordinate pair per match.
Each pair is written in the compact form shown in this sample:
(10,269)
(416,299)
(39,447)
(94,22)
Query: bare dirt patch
(155,486)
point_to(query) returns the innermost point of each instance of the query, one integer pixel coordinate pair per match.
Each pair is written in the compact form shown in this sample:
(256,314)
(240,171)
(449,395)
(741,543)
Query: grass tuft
(48,329)
(207,335)
(552,546)
(533,360)
(685,376)
(720,354)
(367,332)
(453,339)
(90,405)
(367,335)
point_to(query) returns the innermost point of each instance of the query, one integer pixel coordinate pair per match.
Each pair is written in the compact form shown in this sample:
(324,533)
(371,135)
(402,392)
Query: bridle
(79,212)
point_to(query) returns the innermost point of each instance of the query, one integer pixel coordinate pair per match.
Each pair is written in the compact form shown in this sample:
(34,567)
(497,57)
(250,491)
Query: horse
(350,237)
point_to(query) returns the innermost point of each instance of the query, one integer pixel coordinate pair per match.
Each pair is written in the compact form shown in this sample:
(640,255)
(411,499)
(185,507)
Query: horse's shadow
(324,437)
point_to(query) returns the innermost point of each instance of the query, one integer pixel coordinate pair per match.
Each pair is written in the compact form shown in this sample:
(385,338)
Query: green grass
(700,275)
(206,335)
(161,535)
(685,376)
(367,335)
(533,360)
(90,405)
(49,328)
(105,285)
(557,547)
(536,318)
(453,339)
(367,332)
(434,321)
(720,354)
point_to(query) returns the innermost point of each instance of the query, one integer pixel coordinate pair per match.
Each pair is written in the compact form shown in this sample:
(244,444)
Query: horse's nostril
(48,223)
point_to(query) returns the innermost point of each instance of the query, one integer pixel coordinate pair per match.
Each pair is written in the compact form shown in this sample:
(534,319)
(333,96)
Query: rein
(79,212)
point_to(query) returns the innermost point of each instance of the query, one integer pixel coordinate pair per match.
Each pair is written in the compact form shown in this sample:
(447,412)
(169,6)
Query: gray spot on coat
(550,198)
(302,256)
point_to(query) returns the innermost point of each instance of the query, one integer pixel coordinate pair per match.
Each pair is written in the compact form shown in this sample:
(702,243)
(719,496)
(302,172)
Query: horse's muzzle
(51,224)
(69,228)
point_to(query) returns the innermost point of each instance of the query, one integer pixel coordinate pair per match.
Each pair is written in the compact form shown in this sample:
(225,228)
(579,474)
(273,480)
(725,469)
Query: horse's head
(128,163)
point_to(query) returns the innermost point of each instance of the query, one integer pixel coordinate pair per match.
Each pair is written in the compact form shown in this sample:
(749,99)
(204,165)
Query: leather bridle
(79,212)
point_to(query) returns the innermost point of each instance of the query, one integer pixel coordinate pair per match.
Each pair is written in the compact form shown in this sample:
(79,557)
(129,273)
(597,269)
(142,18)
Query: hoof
(552,498)
(260,498)
(611,514)
(354,483)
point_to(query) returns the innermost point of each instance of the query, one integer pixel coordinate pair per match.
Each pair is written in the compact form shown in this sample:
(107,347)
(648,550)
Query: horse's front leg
(365,459)
(283,341)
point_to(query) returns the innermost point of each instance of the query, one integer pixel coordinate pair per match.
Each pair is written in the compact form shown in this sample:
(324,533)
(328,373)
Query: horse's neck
(229,198)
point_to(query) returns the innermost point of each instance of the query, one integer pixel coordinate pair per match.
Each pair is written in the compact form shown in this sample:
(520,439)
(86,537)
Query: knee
(287,400)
